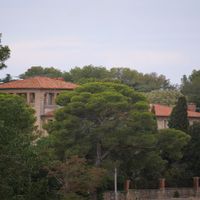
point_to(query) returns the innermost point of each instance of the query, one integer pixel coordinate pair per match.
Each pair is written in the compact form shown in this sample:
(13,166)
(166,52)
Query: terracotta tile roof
(193,114)
(165,111)
(161,110)
(39,82)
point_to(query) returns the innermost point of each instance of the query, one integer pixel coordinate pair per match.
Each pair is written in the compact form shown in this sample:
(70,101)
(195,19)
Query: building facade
(163,112)
(40,93)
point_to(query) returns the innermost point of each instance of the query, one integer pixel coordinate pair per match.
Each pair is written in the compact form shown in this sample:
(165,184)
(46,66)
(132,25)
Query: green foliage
(4,54)
(139,81)
(172,144)
(178,118)
(6,79)
(107,124)
(79,180)
(152,81)
(21,175)
(15,115)
(125,75)
(166,97)
(89,73)
(192,156)
(40,71)
(191,87)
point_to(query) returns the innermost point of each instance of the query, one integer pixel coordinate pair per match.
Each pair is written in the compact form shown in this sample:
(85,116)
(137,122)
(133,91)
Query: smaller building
(40,93)
(163,113)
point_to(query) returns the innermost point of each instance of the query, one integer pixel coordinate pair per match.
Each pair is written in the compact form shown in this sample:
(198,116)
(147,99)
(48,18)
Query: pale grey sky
(160,36)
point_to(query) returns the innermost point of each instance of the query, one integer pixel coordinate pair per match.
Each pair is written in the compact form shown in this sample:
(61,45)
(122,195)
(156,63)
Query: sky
(161,36)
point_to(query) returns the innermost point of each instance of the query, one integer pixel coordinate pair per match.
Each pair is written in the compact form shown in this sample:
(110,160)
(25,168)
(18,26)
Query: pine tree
(178,118)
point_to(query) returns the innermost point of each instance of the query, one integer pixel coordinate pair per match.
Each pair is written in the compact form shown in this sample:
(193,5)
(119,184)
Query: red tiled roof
(165,111)
(38,82)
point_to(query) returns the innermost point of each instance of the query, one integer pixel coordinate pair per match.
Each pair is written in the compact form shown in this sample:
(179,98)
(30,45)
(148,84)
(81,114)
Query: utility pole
(115,184)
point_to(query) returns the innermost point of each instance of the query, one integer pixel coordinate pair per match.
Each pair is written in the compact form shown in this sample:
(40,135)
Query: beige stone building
(163,113)
(40,93)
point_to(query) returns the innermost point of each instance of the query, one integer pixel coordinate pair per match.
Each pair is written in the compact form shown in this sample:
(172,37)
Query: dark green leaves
(4,54)
(179,117)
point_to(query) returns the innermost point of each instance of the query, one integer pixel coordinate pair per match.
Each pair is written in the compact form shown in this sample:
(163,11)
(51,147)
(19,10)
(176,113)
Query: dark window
(32,97)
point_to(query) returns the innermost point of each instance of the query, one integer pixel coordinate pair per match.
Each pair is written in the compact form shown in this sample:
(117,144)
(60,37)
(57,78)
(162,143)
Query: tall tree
(192,156)
(20,169)
(179,117)
(109,125)
(171,144)
(4,54)
(190,87)
(98,112)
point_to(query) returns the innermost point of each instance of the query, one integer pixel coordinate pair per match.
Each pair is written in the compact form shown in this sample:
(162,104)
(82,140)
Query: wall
(162,122)
(154,194)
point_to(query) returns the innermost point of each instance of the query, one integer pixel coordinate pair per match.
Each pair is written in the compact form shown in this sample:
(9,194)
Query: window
(165,123)
(45,99)
(32,97)
(49,99)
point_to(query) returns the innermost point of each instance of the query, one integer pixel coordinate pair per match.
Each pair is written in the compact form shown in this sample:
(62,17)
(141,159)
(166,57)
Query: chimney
(192,107)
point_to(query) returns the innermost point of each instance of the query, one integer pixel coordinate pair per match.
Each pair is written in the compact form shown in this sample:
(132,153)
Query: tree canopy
(21,171)
(172,143)
(190,87)
(89,73)
(192,157)
(179,117)
(104,123)
(165,97)
(4,54)
(40,71)
(99,126)
(6,79)
(109,125)
(99,110)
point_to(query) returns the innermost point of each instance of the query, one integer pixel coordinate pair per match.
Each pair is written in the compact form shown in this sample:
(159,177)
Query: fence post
(162,184)
(162,188)
(126,189)
(196,185)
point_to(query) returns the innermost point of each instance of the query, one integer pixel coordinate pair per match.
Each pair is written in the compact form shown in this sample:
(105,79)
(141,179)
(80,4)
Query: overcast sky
(160,36)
